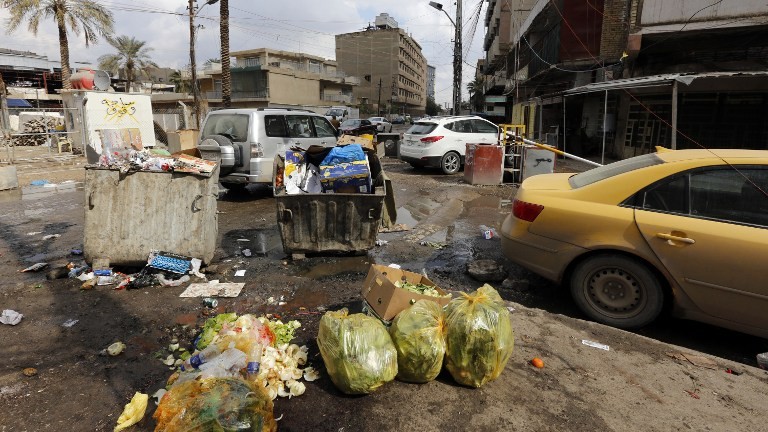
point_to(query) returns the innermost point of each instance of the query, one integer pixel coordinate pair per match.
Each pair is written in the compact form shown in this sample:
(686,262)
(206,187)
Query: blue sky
(295,25)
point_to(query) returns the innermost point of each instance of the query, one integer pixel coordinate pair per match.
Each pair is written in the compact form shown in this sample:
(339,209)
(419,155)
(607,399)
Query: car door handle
(674,238)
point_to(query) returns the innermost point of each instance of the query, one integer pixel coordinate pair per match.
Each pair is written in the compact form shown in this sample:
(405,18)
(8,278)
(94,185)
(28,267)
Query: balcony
(247,62)
(258,94)
(352,80)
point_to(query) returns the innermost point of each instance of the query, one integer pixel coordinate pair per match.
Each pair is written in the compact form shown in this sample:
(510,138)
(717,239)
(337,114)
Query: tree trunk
(128,76)
(66,73)
(226,76)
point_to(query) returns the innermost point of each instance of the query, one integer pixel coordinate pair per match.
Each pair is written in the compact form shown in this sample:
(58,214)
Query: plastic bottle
(205,355)
(253,359)
(488,232)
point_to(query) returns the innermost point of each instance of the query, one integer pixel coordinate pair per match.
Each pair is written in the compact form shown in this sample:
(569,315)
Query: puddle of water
(308,299)
(416,210)
(358,264)
(484,202)
(404,217)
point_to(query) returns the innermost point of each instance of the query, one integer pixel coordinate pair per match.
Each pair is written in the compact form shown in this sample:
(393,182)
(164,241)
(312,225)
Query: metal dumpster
(128,215)
(326,222)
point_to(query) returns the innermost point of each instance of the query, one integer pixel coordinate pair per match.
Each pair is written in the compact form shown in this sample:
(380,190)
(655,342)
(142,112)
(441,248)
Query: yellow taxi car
(688,228)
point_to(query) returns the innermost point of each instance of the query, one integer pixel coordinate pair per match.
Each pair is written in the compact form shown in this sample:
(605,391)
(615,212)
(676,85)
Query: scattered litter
(101,267)
(34,233)
(172,282)
(51,236)
(240,273)
(505,202)
(433,245)
(537,362)
(70,322)
(159,395)
(693,393)
(395,228)
(105,280)
(30,372)
(85,276)
(247,252)
(394,266)
(38,182)
(133,412)
(595,344)
(243,240)
(170,262)
(35,267)
(10,317)
(89,284)
(762,360)
(732,372)
(210,302)
(380,242)
(213,289)
(116,348)
(694,359)
(195,270)
(510,308)
(488,232)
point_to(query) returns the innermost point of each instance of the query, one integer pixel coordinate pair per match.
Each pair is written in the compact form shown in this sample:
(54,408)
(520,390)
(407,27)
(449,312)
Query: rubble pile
(31,130)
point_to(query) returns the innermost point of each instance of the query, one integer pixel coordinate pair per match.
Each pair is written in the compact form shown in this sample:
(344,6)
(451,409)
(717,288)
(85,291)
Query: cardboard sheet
(213,290)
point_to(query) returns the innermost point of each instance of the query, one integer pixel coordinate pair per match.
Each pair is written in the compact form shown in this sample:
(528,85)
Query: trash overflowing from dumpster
(131,159)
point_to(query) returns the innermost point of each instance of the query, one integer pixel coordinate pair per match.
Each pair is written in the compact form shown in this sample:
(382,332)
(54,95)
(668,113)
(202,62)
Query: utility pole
(193,65)
(378,105)
(457,61)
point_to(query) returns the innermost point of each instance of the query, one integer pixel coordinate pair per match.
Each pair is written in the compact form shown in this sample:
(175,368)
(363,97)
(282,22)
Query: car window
(234,126)
(323,128)
(607,171)
(365,122)
(298,126)
(275,126)
(670,196)
(461,126)
(482,126)
(727,194)
(350,123)
(421,128)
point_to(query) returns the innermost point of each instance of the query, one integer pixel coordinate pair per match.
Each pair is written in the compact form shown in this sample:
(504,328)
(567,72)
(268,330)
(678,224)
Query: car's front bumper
(544,256)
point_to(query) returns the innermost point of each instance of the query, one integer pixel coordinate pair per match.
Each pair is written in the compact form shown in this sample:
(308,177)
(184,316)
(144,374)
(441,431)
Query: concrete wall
(613,39)
(677,13)
(291,89)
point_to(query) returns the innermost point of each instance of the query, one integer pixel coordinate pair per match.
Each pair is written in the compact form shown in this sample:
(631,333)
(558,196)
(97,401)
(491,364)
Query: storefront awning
(656,81)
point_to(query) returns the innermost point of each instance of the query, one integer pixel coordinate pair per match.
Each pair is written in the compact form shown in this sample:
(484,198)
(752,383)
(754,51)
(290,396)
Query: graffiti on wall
(117,110)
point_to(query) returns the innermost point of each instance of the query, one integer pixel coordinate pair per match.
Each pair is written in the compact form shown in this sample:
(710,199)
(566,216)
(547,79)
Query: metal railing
(337,98)
(247,62)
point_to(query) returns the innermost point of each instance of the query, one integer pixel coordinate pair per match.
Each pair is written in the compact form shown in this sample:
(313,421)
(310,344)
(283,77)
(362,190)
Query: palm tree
(87,16)
(226,75)
(131,55)
(181,83)
(476,90)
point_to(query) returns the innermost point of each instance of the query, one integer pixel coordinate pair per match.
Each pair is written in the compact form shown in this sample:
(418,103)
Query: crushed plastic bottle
(198,359)
(488,232)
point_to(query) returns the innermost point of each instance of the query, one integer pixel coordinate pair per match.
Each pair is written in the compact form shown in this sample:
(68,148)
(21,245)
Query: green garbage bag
(357,351)
(479,337)
(419,337)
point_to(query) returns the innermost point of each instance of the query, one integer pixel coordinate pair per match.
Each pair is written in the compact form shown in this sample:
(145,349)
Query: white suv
(382,124)
(442,141)
(245,141)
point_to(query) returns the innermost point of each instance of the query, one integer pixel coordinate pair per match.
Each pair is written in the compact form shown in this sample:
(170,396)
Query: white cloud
(293,25)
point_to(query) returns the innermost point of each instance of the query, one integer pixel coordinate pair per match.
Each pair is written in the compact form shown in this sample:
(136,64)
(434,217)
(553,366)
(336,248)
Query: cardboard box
(364,142)
(354,177)
(386,299)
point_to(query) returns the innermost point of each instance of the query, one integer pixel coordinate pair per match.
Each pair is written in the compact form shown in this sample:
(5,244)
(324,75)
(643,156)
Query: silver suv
(245,141)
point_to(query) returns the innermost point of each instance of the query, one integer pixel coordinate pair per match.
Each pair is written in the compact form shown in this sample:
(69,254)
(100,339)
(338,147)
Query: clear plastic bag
(419,337)
(479,337)
(357,350)
(215,404)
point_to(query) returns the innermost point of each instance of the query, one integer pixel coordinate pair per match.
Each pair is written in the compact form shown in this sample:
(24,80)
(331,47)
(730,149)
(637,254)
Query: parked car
(245,141)
(398,120)
(684,228)
(442,141)
(381,123)
(357,127)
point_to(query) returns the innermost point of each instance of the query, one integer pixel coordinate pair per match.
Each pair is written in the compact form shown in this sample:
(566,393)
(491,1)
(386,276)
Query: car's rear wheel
(450,163)
(617,290)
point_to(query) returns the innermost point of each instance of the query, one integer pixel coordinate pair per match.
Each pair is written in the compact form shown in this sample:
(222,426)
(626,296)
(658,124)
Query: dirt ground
(635,385)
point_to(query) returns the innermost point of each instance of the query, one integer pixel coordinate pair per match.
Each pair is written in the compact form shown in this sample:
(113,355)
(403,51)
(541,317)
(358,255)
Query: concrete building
(265,77)
(391,65)
(31,76)
(431,82)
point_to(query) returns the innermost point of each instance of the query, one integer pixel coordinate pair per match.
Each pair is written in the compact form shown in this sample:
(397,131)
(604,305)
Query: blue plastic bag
(344,154)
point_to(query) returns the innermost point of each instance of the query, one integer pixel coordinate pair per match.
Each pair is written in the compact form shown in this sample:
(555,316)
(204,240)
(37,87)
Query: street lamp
(456,53)
(192,62)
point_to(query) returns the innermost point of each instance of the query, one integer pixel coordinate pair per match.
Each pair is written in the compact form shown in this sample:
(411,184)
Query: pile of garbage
(238,366)
(472,337)
(34,132)
(157,160)
(342,169)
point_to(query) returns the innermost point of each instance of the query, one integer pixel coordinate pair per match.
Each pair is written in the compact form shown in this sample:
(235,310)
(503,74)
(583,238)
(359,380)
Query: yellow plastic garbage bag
(419,337)
(133,412)
(215,404)
(357,351)
(479,338)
